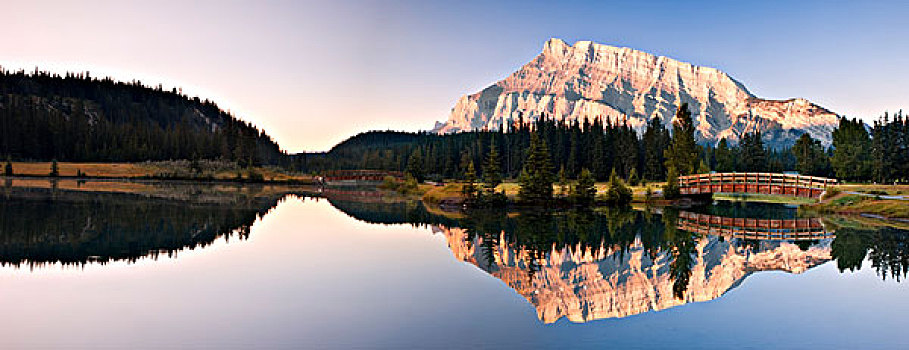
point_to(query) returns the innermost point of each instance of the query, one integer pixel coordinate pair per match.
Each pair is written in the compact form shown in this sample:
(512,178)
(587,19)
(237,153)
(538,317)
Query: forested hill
(76,117)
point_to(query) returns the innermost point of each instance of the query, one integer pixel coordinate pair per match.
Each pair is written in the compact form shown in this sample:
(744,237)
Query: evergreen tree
(671,189)
(753,154)
(656,139)
(585,191)
(536,177)
(682,153)
(415,165)
(492,171)
(703,168)
(810,156)
(627,150)
(725,159)
(851,147)
(466,161)
(883,150)
(633,178)
(469,188)
(617,193)
(563,182)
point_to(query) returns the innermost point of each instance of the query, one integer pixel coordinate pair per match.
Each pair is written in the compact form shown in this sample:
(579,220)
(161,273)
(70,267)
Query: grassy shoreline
(203,171)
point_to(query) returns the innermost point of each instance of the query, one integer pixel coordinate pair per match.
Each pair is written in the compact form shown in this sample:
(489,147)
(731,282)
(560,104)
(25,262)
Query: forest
(76,117)
(858,153)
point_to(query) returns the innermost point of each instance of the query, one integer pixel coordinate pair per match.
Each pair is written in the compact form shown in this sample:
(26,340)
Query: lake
(258,267)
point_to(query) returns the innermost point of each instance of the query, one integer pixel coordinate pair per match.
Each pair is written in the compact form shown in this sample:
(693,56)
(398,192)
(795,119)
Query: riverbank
(204,170)
(854,203)
(451,192)
(182,190)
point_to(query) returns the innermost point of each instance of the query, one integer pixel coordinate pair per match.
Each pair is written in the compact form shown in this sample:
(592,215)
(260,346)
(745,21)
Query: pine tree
(671,189)
(617,193)
(810,157)
(655,140)
(881,151)
(492,170)
(469,188)
(703,168)
(563,182)
(585,191)
(682,153)
(415,165)
(633,178)
(851,147)
(536,176)
(753,154)
(725,160)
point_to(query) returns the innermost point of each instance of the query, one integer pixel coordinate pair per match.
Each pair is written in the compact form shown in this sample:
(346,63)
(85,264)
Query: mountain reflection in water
(586,265)
(581,265)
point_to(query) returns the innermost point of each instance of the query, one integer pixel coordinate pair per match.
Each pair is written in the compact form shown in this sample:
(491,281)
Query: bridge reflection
(750,228)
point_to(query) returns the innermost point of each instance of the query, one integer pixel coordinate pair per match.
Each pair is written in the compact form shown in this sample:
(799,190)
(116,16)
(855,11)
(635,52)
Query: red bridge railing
(748,228)
(761,183)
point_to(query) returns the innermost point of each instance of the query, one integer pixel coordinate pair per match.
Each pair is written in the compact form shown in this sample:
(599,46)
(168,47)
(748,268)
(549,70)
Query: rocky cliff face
(589,80)
(584,285)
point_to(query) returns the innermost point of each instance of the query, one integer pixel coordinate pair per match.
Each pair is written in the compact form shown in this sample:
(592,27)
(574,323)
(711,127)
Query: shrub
(617,193)
(585,190)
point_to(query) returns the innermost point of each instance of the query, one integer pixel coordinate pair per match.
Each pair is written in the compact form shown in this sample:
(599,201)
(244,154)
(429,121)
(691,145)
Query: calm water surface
(272,271)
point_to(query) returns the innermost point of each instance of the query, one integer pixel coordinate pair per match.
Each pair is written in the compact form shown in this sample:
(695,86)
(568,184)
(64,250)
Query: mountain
(590,80)
(589,284)
(76,117)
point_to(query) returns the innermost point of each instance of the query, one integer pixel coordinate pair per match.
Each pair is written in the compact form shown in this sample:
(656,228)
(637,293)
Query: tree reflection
(886,248)
(539,232)
(45,226)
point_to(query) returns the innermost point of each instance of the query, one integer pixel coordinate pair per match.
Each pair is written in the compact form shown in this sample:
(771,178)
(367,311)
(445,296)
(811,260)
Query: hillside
(590,80)
(80,118)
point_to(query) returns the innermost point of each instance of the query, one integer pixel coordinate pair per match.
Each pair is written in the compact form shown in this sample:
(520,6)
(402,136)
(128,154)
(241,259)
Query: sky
(313,73)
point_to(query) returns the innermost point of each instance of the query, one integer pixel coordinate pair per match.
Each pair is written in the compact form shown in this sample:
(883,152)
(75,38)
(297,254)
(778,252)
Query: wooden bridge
(761,183)
(747,228)
(356,177)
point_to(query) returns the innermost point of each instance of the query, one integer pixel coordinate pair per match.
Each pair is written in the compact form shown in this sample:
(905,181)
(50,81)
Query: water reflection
(580,265)
(588,265)
(40,226)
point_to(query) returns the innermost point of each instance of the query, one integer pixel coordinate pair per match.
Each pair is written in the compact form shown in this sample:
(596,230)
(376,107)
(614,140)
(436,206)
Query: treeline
(890,149)
(597,145)
(77,117)
(881,155)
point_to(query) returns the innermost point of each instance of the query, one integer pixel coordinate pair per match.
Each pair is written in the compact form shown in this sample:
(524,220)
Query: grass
(893,190)
(765,198)
(843,203)
(434,194)
(211,170)
(114,170)
(183,190)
